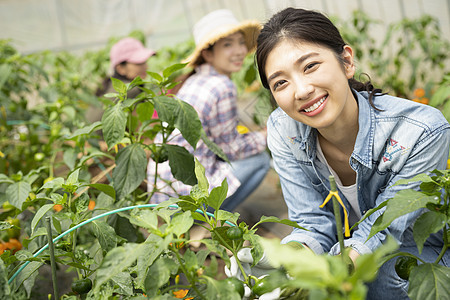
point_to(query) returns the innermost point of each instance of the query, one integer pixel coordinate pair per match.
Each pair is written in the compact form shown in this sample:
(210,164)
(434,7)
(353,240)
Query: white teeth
(315,105)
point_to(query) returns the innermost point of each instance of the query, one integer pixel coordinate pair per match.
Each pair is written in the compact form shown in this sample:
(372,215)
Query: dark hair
(307,26)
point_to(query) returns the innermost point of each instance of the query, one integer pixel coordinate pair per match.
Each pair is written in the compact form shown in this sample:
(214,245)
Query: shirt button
(353,161)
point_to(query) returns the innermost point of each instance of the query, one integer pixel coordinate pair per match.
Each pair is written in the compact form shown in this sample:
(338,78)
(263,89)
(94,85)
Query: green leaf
(172,69)
(155,76)
(82,203)
(5,71)
(181,115)
(117,260)
(215,246)
(26,273)
(136,81)
(429,281)
(131,163)
(227,216)
(181,223)
(123,283)
(39,214)
(118,85)
(144,218)
(70,158)
(203,183)
(370,212)
(105,234)
(145,111)
(4,285)
(73,178)
(181,164)
(114,121)
(404,202)
(420,177)
(105,188)
(157,246)
(17,193)
(265,219)
(218,195)
(216,289)
(428,223)
(159,274)
(213,146)
(85,130)
(306,266)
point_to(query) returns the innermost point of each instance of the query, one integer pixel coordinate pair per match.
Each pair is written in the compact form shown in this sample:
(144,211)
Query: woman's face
(227,54)
(131,71)
(310,84)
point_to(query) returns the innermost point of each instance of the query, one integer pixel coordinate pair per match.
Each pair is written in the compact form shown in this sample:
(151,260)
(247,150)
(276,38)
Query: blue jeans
(388,285)
(250,171)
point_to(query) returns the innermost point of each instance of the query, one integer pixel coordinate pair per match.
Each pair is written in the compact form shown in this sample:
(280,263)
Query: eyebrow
(297,62)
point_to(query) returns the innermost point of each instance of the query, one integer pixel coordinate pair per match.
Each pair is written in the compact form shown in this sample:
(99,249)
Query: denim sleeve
(429,153)
(302,194)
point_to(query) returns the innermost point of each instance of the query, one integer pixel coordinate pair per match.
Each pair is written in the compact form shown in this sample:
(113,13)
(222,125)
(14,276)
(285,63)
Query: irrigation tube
(93,219)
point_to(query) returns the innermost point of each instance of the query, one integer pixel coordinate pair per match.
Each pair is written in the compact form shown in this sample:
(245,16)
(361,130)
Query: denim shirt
(401,140)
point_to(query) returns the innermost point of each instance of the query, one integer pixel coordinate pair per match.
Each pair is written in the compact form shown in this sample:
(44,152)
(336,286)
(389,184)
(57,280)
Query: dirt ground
(266,200)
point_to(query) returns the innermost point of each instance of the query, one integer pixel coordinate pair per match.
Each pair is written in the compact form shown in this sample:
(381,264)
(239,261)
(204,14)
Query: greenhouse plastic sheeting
(88,24)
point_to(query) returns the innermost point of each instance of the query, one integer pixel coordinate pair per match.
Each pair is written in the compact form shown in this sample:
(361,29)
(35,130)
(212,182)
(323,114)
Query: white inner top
(348,191)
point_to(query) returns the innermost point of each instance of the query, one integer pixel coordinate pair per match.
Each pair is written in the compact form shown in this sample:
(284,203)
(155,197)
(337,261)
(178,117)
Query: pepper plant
(433,199)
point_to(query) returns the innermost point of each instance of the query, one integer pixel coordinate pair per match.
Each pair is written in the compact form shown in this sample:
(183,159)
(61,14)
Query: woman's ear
(207,55)
(121,69)
(349,64)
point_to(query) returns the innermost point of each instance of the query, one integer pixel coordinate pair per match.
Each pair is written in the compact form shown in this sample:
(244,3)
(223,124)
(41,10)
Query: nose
(303,89)
(242,49)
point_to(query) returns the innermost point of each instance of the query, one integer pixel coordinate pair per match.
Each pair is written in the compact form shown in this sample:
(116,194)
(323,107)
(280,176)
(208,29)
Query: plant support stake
(52,256)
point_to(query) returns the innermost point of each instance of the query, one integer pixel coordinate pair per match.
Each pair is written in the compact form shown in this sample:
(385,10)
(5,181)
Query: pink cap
(130,50)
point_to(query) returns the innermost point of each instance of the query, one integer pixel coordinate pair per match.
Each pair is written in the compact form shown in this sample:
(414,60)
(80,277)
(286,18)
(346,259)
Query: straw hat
(219,24)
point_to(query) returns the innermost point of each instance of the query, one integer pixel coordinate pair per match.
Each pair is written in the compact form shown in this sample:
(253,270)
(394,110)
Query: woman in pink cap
(128,60)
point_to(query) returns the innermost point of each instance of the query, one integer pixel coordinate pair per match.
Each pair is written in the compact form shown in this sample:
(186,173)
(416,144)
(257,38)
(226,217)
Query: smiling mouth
(315,105)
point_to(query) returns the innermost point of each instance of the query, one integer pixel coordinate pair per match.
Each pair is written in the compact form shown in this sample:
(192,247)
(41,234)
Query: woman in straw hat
(222,43)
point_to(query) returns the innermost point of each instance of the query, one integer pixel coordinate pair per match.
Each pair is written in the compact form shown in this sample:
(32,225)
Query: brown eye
(278,84)
(310,66)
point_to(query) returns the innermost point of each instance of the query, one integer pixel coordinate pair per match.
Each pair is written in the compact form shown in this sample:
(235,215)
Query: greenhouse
(225,149)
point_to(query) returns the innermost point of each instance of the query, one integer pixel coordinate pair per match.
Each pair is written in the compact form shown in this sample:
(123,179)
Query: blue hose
(93,219)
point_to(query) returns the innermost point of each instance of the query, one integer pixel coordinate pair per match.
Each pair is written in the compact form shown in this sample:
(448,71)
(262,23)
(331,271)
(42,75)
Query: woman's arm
(429,153)
(303,193)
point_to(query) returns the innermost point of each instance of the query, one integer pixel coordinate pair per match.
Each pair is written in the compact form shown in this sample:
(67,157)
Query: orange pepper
(57,207)
(180,294)
(13,244)
(419,93)
(91,205)
(424,100)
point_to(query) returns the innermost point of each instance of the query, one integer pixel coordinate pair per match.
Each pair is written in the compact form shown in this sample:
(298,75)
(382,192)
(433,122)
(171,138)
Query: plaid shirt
(213,95)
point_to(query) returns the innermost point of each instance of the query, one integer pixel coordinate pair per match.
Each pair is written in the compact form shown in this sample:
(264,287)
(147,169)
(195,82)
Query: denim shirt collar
(365,138)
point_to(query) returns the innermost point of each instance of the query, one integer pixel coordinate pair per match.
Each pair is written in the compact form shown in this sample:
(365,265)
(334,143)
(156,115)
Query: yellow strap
(336,194)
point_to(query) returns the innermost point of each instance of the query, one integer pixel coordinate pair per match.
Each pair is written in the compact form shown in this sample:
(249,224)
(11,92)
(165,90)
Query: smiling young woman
(327,124)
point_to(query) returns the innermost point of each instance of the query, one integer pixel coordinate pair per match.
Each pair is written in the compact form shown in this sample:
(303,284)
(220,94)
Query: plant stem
(241,268)
(183,269)
(337,216)
(445,247)
(52,256)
